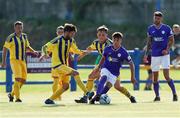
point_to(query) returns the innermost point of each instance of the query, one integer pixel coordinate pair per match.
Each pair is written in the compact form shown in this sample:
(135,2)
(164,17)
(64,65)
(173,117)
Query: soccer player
(160,39)
(60,48)
(176,46)
(110,64)
(56,80)
(17,43)
(99,45)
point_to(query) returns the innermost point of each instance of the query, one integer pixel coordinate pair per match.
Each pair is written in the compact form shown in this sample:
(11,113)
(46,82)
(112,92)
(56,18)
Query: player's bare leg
(170,83)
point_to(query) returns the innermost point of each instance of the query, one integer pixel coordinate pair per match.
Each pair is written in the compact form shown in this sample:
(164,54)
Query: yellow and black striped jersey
(60,48)
(17,46)
(96,45)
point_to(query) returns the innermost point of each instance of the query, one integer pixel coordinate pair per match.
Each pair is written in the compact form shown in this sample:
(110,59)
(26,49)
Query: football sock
(16,90)
(101,84)
(171,85)
(105,90)
(156,88)
(89,85)
(80,84)
(57,93)
(125,92)
(55,85)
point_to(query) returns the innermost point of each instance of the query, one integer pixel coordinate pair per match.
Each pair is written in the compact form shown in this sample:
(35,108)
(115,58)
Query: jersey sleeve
(127,57)
(49,46)
(169,32)
(74,49)
(27,41)
(92,46)
(8,43)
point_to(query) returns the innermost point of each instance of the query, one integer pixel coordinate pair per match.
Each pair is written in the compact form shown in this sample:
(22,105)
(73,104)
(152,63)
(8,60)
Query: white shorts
(161,61)
(110,77)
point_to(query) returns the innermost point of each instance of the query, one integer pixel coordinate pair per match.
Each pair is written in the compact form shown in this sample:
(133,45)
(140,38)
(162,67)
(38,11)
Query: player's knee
(108,84)
(116,86)
(20,80)
(90,76)
(65,86)
(75,73)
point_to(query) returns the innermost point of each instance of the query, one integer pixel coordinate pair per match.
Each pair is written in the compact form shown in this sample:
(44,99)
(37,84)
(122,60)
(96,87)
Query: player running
(60,48)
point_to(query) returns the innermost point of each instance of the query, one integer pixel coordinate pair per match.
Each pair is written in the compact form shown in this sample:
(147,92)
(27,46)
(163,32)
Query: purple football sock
(156,88)
(105,90)
(171,85)
(101,84)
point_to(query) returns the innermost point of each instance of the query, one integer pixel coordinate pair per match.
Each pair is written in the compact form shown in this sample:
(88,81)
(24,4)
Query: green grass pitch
(33,97)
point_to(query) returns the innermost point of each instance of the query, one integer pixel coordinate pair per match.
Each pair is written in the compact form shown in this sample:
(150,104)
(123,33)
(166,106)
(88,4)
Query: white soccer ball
(104,99)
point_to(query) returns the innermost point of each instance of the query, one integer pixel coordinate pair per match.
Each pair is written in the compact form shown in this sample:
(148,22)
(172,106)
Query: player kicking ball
(110,64)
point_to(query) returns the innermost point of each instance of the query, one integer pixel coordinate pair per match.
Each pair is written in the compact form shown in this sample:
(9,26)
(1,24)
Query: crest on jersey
(163,32)
(119,55)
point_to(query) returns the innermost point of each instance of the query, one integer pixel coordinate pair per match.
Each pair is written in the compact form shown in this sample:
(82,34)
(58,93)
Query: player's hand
(82,55)
(36,53)
(3,65)
(145,59)
(133,80)
(42,57)
(165,52)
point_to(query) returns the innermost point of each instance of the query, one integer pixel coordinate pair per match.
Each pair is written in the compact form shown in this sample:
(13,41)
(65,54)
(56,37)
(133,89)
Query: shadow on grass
(54,105)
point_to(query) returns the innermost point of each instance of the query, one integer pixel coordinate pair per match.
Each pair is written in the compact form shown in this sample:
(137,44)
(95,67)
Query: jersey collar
(157,27)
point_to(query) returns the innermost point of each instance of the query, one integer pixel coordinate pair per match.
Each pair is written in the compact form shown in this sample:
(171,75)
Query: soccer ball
(104,99)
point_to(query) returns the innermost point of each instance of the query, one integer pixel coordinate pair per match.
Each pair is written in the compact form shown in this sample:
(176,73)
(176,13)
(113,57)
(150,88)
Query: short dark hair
(18,23)
(117,35)
(60,27)
(158,13)
(69,27)
(102,28)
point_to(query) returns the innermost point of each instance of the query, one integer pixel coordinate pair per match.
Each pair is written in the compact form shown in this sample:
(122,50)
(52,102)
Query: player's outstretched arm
(100,63)
(133,79)
(30,49)
(44,53)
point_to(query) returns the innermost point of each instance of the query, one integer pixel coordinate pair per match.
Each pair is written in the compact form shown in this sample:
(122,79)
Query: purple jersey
(160,37)
(115,58)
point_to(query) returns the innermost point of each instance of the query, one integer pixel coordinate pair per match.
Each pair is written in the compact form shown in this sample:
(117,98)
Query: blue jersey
(114,59)
(160,37)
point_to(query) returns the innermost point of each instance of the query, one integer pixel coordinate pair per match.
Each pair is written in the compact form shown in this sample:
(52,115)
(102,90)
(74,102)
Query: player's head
(158,16)
(18,27)
(69,31)
(102,33)
(176,29)
(60,30)
(117,39)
